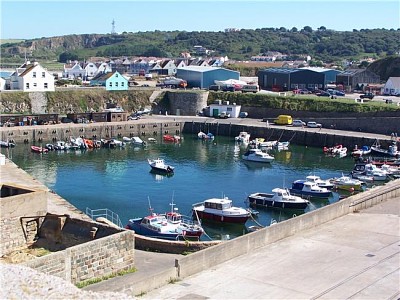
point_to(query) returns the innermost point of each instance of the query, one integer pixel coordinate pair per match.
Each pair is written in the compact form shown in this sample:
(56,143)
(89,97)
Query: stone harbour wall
(18,223)
(102,257)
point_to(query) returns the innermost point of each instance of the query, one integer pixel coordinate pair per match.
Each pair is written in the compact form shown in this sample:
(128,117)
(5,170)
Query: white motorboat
(320,182)
(347,183)
(280,198)
(243,137)
(258,156)
(369,170)
(158,165)
(220,210)
(137,141)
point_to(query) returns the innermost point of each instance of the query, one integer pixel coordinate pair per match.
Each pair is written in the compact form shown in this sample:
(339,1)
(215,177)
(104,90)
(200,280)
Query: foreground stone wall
(18,224)
(94,259)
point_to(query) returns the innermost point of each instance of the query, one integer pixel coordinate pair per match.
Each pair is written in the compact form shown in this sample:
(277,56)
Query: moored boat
(347,183)
(171,226)
(280,198)
(4,144)
(309,189)
(159,165)
(220,210)
(320,182)
(391,151)
(243,137)
(257,155)
(38,149)
(364,150)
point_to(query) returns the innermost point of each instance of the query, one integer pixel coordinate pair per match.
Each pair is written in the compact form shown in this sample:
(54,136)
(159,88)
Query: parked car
(214,87)
(313,124)
(243,114)
(224,115)
(367,95)
(228,88)
(336,92)
(298,123)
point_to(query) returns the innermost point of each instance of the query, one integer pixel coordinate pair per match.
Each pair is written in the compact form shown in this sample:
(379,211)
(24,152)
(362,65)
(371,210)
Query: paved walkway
(355,256)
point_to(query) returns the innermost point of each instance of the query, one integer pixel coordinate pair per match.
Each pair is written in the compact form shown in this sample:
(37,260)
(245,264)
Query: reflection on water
(121,180)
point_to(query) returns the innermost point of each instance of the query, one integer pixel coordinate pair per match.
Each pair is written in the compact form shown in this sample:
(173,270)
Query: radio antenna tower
(113,27)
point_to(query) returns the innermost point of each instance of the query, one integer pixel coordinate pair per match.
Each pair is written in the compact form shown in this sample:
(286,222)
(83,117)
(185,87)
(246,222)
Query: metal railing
(105,213)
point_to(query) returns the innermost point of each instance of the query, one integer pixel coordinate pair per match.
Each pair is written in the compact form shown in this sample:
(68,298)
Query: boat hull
(221,218)
(166,170)
(262,201)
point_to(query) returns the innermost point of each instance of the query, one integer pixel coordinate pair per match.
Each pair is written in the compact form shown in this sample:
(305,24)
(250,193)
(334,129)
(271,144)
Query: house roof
(104,76)
(395,81)
(318,69)
(27,70)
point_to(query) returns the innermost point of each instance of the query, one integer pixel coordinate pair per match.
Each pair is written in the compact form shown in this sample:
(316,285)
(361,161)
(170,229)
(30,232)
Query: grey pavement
(355,256)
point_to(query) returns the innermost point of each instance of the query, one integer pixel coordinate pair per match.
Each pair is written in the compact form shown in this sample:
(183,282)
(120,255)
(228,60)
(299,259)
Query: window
(35,84)
(46,85)
(229,109)
(116,75)
(43,74)
(122,84)
(34,74)
(116,84)
(110,85)
(27,85)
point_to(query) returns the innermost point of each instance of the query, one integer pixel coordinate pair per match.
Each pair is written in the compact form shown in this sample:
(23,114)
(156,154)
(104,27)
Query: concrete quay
(355,256)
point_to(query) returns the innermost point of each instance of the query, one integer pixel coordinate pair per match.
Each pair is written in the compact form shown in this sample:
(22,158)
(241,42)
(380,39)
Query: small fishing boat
(243,137)
(280,198)
(258,156)
(4,144)
(309,189)
(347,183)
(38,149)
(158,165)
(171,138)
(357,152)
(220,210)
(171,225)
(391,151)
(320,182)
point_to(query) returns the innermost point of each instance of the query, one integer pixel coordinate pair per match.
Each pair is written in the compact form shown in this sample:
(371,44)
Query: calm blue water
(120,179)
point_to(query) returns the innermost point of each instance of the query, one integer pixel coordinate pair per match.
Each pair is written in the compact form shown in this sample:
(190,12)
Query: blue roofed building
(113,81)
(203,77)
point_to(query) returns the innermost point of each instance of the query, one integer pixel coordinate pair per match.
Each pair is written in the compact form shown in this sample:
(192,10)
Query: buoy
(351,189)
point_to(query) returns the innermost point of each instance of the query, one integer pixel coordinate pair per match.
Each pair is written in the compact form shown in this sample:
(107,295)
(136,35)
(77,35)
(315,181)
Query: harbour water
(120,179)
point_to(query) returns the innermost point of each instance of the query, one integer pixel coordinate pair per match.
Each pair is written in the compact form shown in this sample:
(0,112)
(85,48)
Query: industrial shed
(286,79)
(357,79)
(203,77)
(330,74)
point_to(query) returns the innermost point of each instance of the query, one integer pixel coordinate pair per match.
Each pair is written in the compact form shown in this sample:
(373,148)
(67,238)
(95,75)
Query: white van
(250,88)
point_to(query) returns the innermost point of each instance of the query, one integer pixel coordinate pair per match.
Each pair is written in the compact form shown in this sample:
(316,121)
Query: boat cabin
(219,204)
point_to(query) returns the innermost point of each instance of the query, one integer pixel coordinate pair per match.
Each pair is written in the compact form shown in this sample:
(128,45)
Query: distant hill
(386,67)
(321,44)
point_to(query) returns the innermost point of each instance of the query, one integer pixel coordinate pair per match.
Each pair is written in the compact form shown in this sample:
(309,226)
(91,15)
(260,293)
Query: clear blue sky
(35,19)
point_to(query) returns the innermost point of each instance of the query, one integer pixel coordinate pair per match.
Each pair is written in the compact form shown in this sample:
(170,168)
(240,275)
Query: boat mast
(150,208)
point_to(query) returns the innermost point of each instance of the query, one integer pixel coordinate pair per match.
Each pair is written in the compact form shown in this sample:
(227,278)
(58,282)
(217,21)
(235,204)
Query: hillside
(321,44)
(386,67)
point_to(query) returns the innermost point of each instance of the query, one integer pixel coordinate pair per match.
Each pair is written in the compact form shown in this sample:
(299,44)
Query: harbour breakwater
(157,127)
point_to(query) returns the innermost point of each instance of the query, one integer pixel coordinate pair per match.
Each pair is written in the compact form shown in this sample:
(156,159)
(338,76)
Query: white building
(223,106)
(73,71)
(392,86)
(32,77)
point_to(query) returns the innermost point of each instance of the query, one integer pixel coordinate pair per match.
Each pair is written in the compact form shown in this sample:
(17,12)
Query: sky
(35,19)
